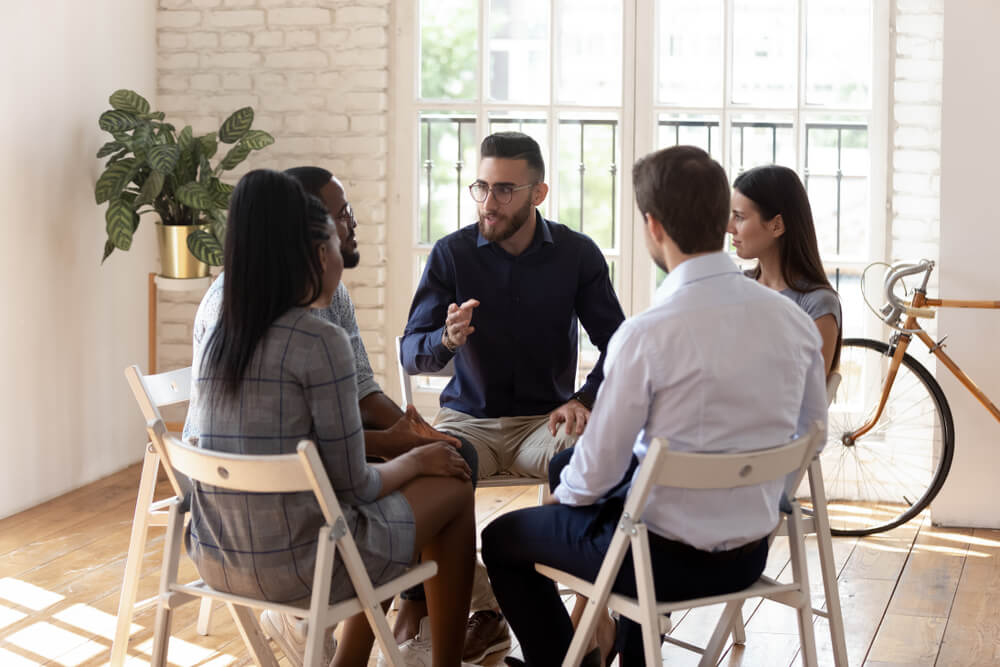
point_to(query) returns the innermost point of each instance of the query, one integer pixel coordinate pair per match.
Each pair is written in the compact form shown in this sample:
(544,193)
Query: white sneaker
(289,633)
(416,651)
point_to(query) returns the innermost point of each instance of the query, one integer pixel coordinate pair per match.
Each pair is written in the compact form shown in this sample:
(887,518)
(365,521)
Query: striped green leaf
(117,121)
(205,247)
(113,180)
(185,138)
(150,189)
(209,145)
(128,100)
(220,192)
(234,127)
(195,195)
(164,158)
(257,139)
(109,148)
(121,222)
(109,248)
(236,154)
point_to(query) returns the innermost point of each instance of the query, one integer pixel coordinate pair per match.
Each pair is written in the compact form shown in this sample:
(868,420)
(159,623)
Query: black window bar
(742,125)
(427,131)
(708,125)
(428,165)
(838,175)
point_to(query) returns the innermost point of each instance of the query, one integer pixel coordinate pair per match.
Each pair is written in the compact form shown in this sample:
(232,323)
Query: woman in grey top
(772,222)
(271,375)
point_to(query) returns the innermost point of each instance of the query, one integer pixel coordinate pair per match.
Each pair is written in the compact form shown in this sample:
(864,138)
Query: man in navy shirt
(503,297)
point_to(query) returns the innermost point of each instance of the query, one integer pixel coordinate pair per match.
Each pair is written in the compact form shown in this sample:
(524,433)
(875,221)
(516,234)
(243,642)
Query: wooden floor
(919,595)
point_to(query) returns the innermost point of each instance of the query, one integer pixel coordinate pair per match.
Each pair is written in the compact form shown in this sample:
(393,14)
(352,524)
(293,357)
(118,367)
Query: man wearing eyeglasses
(503,297)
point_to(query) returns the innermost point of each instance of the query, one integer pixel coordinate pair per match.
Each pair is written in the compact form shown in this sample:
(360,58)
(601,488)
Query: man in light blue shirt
(718,363)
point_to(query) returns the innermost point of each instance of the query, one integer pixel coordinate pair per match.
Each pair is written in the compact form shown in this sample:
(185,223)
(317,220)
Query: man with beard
(389,431)
(502,297)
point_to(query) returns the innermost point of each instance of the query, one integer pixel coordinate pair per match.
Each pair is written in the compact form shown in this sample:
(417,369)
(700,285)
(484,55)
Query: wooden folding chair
(282,473)
(501,479)
(694,471)
(151,392)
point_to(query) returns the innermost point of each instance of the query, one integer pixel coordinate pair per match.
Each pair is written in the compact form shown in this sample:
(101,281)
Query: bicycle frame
(920,305)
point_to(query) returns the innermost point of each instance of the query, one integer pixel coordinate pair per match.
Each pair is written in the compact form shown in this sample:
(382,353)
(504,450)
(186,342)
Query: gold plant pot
(176,261)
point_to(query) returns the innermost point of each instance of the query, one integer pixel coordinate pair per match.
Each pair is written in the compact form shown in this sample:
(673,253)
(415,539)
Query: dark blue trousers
(575,539)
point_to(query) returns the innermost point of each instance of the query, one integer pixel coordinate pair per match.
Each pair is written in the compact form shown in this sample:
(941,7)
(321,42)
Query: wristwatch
(584,398)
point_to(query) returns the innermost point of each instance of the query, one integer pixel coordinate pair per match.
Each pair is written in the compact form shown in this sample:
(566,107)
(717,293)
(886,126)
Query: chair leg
(739,631)
(253,637)
(824,541)
(722,629)
(161,634)
(205,617)
(133,562)
(800,574)
(651,641)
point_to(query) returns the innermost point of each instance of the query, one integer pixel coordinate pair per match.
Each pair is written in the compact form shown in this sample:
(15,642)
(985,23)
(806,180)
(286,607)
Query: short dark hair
(514,146)
(271,265)
(688,193)
(312,178)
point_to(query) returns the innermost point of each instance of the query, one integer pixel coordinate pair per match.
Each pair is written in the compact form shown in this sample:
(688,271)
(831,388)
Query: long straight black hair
(777,190)
(271,265)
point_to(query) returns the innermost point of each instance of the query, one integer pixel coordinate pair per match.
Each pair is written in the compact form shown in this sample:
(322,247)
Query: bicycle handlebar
(896,307)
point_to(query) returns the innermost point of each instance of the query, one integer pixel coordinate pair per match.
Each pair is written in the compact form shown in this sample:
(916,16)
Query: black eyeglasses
(346,215)
(502,192)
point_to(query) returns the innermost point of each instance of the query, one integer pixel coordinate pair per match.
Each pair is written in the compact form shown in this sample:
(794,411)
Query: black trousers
(575,539)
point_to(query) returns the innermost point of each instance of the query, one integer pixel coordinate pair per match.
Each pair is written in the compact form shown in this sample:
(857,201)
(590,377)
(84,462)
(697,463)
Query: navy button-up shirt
(521,359)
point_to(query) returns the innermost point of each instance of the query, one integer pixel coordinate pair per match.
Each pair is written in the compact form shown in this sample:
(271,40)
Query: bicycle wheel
(887,476)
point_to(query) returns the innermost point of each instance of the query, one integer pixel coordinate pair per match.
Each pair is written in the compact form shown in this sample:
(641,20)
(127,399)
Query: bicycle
(891,437)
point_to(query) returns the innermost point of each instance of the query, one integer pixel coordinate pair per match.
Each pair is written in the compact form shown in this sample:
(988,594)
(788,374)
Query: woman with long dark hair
(272,374)
(772,221)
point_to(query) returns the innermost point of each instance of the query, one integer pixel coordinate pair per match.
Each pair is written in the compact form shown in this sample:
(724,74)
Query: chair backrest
(690,470)
(268,473)
(405,380)
(832,383)
(153,392)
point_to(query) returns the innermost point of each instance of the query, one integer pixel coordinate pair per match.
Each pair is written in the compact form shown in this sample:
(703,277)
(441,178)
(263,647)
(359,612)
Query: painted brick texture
(915,130)
(316,73)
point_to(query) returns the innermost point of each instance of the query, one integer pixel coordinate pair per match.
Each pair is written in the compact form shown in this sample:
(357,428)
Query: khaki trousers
(519,446)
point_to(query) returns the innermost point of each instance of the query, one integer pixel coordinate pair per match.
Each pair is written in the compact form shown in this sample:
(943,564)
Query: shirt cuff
(441,353)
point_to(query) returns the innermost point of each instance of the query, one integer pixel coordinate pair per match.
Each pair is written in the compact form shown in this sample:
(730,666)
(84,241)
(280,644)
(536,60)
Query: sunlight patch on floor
(27,595)
(185,654)
(94,621)
(47,640)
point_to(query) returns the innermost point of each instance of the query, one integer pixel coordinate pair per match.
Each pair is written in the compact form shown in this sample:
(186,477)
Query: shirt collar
(694,270)
(543,234)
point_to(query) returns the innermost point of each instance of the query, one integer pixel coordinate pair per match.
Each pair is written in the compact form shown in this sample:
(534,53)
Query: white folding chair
(151,392)
(501,479)
(694,471)
(817,522)
(282,473)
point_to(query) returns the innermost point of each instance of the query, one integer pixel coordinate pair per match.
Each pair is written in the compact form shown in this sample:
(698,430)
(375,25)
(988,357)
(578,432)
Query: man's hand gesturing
(458,324)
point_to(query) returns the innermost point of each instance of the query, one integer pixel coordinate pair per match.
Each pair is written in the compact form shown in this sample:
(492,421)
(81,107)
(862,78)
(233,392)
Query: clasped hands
(434,452)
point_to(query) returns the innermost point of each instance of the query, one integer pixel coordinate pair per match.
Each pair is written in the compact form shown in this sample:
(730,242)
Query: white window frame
(637,134)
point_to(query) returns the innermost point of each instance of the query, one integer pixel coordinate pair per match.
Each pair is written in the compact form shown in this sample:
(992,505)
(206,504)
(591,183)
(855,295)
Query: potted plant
(154,168)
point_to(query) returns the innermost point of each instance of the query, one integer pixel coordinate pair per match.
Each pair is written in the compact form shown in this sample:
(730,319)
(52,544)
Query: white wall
(69,325)
(970,227)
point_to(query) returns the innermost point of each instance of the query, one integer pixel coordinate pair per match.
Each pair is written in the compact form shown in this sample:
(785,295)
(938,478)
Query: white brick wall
(316,74)
(915,130)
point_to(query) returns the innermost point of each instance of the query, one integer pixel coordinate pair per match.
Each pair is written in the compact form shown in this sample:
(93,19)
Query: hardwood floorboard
(919,595)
